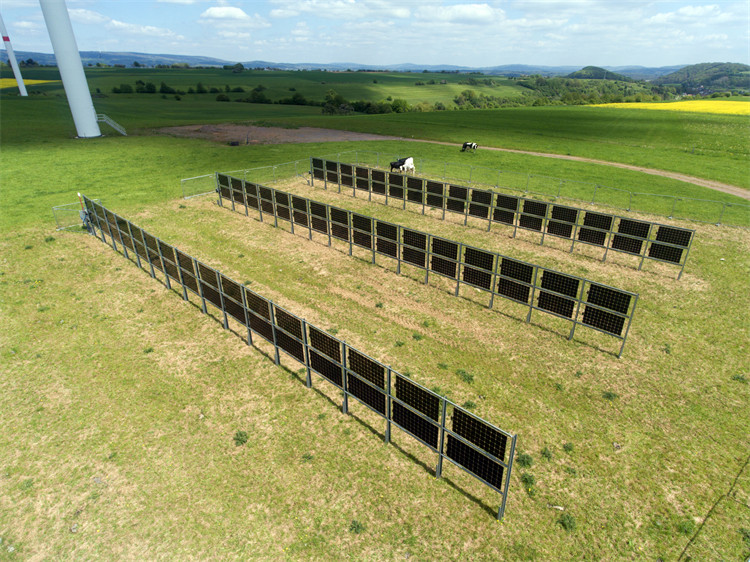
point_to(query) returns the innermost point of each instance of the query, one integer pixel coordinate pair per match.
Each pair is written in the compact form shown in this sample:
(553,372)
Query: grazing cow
(470,146)
(403,165)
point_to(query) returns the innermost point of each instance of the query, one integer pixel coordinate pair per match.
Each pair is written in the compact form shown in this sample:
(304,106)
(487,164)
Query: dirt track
(246,134)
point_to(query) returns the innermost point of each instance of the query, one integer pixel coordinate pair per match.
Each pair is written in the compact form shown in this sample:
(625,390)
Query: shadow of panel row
(467,441)
(647,240)
(581,301)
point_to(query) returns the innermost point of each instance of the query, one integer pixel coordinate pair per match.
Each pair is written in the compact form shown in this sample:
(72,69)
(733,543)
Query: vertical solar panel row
(543,290)
(610,232)
(472,444)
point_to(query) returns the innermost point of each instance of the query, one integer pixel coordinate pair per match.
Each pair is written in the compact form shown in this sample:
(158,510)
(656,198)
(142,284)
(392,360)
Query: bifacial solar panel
(483,436)
(362,172)
(396,192)
(506,217)
(516,270)
(325,344)
(414,239)
(340,231)
(211,295)
(208,275)
(378,181)
(445,248)
(288,322)
(185,262)
(339,215)
(346,170)
(677,236)
(626,244)
(480,203)
(167,252)
(414,195)
(564,214)
(556,304)
(443,266)
(415,183)
(371,371)
(257,304)
(478,258)
(317,163)
(560,283)
(231,289)
(386,247)
(477,277)
(225,192)
(251,189)
(592,236)
(606,321)
(362,223)
(261,327)
(665,253)
(634,228)
(327,368)
(597,220)
(171,270)
(457,197)
(361,239)
(301,218)
(318,210)
(299,204)
(236,183)
(362,183)
(290,345)
(530,222)
(536,208)
(234,310)
(283,212)
(562,229)
(387,230)
(367,368)
(347,181)
(282,198)
(395,179)
(513,290)
(609,298)
(507,202)
(332,165)
(421,400)
(434,194)
(223,180)
(319,225)
(238,197)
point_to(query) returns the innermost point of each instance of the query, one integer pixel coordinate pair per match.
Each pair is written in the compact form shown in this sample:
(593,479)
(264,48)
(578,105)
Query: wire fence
(477,447)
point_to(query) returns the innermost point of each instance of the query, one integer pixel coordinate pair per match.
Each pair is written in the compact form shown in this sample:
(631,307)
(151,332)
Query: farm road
(245,134)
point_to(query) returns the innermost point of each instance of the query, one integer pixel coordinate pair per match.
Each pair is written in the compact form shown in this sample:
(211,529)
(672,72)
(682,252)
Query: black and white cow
(403,165)
(470,146)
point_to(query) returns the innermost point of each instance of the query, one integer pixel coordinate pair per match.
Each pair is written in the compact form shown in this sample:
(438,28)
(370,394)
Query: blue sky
(382,32)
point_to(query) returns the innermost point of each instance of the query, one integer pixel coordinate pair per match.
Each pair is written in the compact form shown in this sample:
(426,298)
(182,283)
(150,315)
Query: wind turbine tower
(71,68)
(12,59)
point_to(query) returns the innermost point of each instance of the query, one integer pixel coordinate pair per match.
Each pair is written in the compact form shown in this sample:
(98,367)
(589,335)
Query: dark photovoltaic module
(434,194)
(327,368)
(597,220)
(371,371)
(625,244)
(457,197)
(609,298)
(478,258)
(677,236)
(484,437)
(560,283)
(606,321)
(665,253)
(257,304)
(325,343)
(421,400)
(477,277)
(288,322)
(208,275)
(561,229)
(536,208)
(448,249)
(556,304)
(634,228)
(480,203)
(564,214)
(412,254)
(211,295)
(231,289)
(530,222)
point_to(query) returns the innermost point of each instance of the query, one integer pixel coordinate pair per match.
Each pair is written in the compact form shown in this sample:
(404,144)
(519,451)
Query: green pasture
(369,86)
(119,401)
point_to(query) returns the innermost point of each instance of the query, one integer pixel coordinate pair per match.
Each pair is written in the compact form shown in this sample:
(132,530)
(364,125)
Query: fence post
(674,203)
(345,379)
(593,197)
(439,467)
(721,216)
(308,382)
(388,408)
(630,200)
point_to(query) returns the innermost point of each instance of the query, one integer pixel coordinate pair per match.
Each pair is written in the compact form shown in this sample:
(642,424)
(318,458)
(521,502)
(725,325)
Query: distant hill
(147,59)
(596,73)
(710,75)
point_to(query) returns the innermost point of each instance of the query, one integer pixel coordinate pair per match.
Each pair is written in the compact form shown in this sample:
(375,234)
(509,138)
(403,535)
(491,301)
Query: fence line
(477,447)
(575,299)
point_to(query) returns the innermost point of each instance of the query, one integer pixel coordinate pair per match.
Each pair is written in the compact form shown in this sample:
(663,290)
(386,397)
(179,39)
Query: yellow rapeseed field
(697,106)
(11,82)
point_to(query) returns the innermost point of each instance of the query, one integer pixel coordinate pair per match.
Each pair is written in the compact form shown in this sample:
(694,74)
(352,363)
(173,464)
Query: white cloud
(231,18)
(467,14)
(145,30)
(87,16)
(225,13)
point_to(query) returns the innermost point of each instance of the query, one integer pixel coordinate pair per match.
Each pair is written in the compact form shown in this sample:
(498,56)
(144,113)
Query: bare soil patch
(249,134)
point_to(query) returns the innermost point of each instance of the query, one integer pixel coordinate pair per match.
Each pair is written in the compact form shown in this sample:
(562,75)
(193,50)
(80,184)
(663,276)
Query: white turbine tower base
(12,59)
(71,68)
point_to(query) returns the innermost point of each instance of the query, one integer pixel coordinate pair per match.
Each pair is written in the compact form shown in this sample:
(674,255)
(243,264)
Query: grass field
(119,401)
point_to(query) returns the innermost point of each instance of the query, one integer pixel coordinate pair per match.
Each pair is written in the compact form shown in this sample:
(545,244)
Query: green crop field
(119,401)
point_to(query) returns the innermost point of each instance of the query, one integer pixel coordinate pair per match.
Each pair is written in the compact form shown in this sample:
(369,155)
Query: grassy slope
(118,401)
(703,145)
